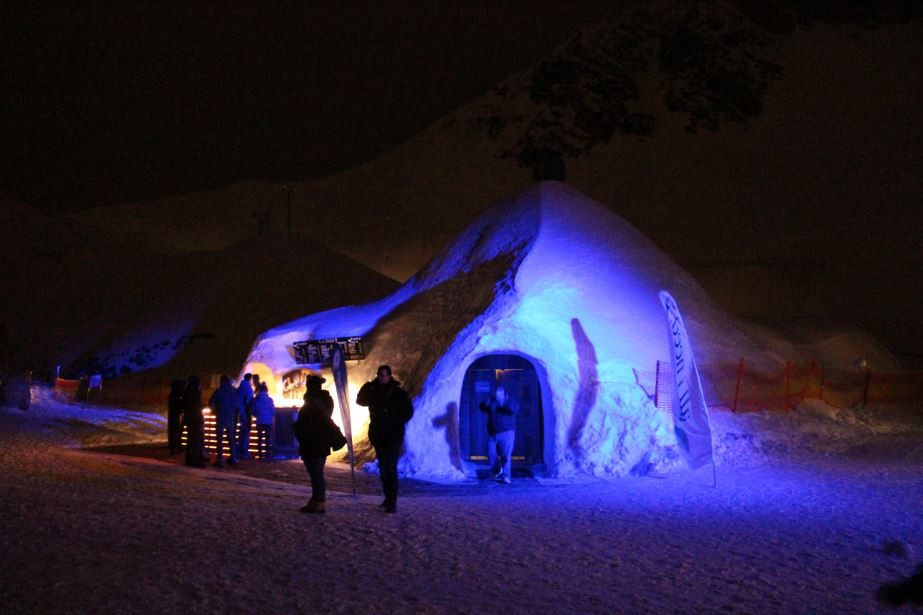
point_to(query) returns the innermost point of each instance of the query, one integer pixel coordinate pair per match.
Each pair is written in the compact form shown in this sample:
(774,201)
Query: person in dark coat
(389,410)
(175,417)
(245,393)
(225,405)
(317,434)
(264,410)
(501,433)
(16,391)
(195,423)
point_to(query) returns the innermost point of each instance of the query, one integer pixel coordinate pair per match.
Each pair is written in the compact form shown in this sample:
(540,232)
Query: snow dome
(548,292)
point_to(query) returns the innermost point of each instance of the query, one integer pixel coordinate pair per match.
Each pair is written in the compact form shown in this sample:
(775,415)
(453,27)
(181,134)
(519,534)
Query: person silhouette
(390,409)
(501,413)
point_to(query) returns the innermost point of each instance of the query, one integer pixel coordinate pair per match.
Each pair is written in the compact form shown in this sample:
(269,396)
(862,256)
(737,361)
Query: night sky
(102,104)
(123,102)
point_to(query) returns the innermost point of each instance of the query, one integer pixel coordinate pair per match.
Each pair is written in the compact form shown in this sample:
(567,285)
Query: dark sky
(122,102)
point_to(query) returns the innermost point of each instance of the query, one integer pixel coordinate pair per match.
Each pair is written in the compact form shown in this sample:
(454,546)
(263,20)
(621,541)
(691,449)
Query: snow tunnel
(521,381)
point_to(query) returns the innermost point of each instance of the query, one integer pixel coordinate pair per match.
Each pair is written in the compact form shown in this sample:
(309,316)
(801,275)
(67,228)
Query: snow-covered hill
(734,136)
(91,304)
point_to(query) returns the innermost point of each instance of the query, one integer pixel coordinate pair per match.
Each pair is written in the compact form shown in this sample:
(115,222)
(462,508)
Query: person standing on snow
(390,409)
(317,434)
(264,409)
(195,424)
(224,404)
(245,393)
(501,433)
(175,417)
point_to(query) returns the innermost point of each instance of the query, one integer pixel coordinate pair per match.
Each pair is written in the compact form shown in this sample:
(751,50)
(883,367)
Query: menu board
(319,351)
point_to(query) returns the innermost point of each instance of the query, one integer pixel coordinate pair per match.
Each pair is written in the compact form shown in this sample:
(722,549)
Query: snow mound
(78,425)
(555,278)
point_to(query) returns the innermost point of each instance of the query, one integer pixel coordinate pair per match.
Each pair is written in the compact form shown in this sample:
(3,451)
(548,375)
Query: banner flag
(338,365)
(690,414)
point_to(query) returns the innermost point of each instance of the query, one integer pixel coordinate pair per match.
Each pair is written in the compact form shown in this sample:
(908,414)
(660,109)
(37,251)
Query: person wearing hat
(317,434)
(389,410)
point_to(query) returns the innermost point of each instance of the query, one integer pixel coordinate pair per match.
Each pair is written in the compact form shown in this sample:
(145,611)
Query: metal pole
(740,376)
(352,468)
(657,385)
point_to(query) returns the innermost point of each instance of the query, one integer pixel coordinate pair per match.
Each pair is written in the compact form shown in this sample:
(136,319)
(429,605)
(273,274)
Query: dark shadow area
(338,478)
(588,389)
(517,472)
(905,591)
(449,421)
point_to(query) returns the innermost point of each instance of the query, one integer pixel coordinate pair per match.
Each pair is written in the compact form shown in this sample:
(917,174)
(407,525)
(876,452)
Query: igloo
(548,291)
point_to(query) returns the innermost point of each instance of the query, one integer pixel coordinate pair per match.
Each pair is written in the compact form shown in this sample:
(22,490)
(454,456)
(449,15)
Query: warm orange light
(211,441)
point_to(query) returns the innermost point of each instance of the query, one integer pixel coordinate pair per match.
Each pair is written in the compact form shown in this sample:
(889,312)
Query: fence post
(657,385)
(788,383)
(740,376)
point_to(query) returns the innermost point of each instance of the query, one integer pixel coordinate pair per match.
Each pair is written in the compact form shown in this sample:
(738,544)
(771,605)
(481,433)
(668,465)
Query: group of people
(231,406)
(390,409)
(318,436)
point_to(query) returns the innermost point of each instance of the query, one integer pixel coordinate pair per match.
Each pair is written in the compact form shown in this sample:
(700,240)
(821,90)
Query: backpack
(337,439)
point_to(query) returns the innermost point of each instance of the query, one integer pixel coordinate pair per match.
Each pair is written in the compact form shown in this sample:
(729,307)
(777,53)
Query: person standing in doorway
(501,433)
(245,392)
(390,409)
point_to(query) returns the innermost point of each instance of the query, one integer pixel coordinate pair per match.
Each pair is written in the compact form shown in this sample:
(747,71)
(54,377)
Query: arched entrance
(520,379)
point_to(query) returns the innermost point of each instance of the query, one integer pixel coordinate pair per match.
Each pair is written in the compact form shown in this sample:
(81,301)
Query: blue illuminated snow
(579,301)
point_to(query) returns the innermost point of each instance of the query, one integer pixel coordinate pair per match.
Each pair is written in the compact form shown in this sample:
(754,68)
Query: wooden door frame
(546,401)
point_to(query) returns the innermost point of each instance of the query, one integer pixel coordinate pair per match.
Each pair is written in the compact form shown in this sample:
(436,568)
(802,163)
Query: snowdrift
(94,303)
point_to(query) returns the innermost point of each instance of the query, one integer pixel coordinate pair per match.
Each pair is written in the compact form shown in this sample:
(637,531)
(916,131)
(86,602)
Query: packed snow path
(99,532)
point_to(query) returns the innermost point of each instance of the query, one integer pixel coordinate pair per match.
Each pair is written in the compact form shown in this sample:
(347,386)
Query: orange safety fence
(736,386)
(124,393)
(65,390)
(116,393)
(210,430)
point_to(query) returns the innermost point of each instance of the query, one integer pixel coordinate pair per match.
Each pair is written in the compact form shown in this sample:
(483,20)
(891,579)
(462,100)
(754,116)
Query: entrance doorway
(520,380)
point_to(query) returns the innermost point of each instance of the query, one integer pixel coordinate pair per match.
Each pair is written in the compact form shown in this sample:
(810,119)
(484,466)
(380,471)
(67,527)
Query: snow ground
(795,526)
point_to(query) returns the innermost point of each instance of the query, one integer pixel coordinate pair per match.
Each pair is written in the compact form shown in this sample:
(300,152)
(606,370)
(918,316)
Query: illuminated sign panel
(321,351)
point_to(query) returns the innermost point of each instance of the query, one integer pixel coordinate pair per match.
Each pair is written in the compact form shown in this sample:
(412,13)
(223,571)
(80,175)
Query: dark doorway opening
(520,380)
